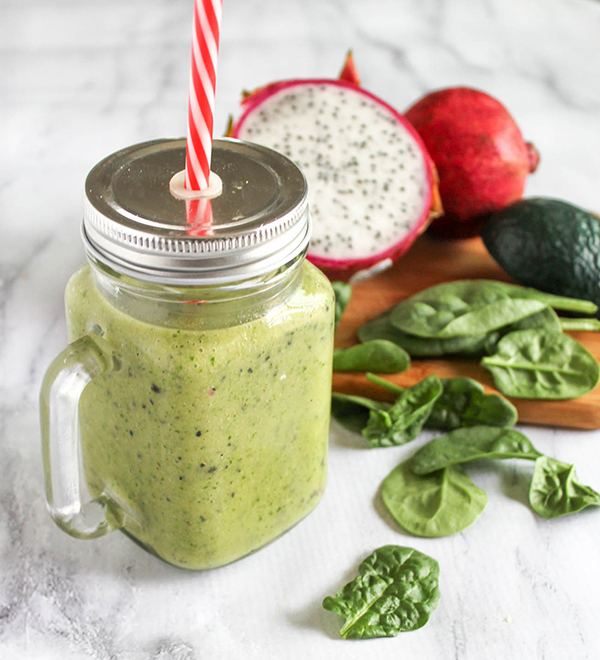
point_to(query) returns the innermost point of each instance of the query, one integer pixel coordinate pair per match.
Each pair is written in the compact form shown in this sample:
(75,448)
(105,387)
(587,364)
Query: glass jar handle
(63,384)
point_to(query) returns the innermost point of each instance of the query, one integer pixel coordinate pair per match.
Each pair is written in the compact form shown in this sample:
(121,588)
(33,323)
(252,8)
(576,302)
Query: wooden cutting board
(430,262)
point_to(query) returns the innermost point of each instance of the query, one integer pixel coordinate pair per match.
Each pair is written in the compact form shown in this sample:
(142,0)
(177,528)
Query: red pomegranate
(479,152)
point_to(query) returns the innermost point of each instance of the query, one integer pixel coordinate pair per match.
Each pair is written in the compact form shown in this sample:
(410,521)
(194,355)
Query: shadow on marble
(515,479)
(316,617)
(342,437)
(53,551)
(120,558)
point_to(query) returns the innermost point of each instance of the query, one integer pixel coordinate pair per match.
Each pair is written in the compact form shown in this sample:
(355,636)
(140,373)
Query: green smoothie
(211,442)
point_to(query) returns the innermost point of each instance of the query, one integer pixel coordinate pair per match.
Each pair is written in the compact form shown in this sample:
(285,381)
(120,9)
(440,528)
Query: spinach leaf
(463,402)
(547,319)
(379,327)
(536,364)
(386,384)
(579,325)
(396,590)
(343,293)
(382,328)
(555,490)
(474,307)
(432,505)
(556,302)
(422,324)
(468,345)
(428,321)
(470,444)
(377,355)
(405,419)
(466,307)
(352,412)
(479,321)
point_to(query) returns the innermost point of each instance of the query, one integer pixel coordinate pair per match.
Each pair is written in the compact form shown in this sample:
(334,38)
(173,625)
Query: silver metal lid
(133,223)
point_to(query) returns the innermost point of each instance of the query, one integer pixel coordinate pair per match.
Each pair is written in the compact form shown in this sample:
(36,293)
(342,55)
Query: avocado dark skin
(549,245)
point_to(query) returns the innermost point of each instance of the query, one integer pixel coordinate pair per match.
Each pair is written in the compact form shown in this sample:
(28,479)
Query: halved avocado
(549,245)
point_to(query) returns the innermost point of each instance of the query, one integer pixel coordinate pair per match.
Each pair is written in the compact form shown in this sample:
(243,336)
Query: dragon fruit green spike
(372,185)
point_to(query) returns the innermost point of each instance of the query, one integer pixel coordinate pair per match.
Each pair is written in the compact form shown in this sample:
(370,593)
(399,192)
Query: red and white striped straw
(199,217)
(203,78)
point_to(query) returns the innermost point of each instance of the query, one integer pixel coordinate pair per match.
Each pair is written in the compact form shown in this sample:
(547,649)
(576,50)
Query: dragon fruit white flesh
(371,182)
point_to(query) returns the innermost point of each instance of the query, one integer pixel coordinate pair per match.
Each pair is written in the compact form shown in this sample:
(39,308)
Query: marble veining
(80,79)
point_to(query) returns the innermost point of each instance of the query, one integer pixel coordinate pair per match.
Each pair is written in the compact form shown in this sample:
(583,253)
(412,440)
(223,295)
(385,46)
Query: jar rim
(136,226)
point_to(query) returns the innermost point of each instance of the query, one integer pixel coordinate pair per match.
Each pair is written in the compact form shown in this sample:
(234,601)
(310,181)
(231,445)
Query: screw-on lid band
(136,226)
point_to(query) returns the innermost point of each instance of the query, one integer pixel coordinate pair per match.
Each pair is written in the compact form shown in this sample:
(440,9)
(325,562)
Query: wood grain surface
(430,262)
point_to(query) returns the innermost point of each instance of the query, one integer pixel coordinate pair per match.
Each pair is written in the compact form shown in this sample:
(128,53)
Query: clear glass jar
(202,409)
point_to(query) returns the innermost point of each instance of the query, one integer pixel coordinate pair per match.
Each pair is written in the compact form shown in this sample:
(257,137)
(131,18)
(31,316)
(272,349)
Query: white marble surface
(80,79)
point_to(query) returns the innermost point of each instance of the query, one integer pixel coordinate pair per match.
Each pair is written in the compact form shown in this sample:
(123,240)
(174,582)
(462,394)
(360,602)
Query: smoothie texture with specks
(211,442)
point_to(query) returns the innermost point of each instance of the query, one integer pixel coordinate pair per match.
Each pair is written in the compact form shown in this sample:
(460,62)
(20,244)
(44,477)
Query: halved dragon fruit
(372,185)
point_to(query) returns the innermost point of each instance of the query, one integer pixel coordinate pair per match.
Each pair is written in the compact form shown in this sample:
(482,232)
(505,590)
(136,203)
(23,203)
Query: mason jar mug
(195,391)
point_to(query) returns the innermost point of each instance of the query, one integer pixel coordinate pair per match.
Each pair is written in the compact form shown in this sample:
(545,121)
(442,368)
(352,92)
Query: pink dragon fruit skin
(372,184)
